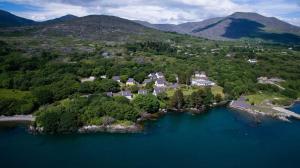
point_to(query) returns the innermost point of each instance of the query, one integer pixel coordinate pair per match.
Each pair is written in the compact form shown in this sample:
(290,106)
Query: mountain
(9,20)
(60,19)
(93,27)
(236,26)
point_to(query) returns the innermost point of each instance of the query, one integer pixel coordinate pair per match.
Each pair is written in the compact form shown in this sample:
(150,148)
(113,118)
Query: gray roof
(131,80)
(160,74)
(109,94)
(126,93)
(147,81)
(160,81)
(116,78)
(174,86)
(159,90)
(142,92)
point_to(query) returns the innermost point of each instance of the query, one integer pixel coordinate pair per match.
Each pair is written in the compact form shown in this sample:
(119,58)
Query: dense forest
(47,81)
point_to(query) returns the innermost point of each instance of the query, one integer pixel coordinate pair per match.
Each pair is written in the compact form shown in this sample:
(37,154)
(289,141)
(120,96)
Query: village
(157,83)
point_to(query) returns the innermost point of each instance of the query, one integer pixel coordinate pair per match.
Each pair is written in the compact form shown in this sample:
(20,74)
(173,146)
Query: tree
(123,78)
(171,78)
(196,99)
(107,85)
(134,89)
(43,94)
(147,103)
(98,71)
(218,97)
(121,99)
(177,100)
(149,86)
(208,97)
(139,77)
(49,119)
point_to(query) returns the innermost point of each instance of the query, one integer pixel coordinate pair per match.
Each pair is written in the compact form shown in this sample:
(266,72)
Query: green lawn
(259,98)
(217,90)
(188,91)
(12,93)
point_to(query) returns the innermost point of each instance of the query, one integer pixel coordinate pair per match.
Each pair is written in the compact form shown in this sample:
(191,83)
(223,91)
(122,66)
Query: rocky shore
(280,113)
(115,128)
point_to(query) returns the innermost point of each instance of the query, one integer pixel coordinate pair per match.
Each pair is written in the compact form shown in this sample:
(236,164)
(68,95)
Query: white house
(200,79)
(90,79)
(126,94)
(200,75)
(160,82)
(159,75)
(142,92)
(252,61)
(130,82)
(158,90)
(116,78)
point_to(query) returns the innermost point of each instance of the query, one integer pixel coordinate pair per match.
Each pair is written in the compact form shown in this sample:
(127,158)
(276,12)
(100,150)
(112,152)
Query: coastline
(277,112)
(17,118)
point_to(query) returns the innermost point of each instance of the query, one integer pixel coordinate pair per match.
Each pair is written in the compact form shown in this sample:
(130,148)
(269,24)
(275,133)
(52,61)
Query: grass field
(217,90)
(188,91)
(13,94)
(259,98)
(185,91)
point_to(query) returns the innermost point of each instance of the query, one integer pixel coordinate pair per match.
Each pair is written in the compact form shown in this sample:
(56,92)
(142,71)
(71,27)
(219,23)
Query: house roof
(159,90)
(142,91)
(159,74)
(131,80)
(160,81)
(116,77)
(147,81)
(109,94)
(126,93)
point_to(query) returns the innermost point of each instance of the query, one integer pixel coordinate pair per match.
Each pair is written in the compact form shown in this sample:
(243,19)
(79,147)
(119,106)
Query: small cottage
(116,78)
(130,82)
(126,94)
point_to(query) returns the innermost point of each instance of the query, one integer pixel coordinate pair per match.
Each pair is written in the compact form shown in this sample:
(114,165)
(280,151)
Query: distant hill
(236,26)
(101,27)
(60,19)
(9,20)
(95,27)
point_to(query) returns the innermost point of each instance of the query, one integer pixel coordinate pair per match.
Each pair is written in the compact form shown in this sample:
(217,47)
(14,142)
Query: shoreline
(279,112)
(17,118)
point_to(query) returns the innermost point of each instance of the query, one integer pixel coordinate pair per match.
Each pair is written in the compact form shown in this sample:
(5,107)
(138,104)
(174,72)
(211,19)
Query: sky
(153,11)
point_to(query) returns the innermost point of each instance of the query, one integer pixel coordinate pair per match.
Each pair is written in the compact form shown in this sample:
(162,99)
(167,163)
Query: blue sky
(154,11)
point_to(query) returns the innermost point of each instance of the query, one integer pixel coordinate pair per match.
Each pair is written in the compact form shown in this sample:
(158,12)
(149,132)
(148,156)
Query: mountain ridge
(236,26)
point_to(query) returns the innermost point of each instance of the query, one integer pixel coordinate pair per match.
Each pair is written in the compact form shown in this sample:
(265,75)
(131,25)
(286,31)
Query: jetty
(272,111)
(288,113)
(17,118)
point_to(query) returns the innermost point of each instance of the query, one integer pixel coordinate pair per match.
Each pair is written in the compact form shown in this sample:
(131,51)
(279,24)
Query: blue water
(220,138)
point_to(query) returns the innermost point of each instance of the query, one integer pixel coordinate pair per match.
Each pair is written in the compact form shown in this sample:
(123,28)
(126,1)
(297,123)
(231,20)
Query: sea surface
(217,139)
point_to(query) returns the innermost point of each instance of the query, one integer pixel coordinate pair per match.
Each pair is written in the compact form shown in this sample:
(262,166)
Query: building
(109,94)
(158,90)
(200,79)
(200,75)
(130,82)
(90,79)
(142,92)
(152,76)
(116,78)
(160,82)
(252,61)
(126,94)
(159,75)
(146,81)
